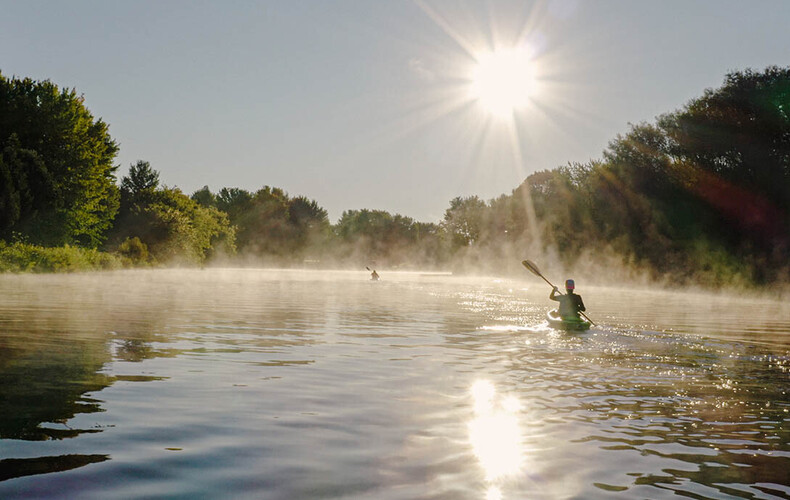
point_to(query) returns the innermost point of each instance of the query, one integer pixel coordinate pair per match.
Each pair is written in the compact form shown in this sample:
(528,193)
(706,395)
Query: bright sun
(503,81)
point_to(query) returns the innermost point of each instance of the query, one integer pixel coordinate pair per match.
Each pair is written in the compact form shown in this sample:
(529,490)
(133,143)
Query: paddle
(534,270)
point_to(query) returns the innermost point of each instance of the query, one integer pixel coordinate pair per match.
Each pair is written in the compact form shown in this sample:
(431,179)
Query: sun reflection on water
(495,436)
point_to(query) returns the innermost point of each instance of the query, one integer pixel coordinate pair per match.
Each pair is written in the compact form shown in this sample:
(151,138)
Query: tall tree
(263,226)
(309,223)
(26,188)
(732,148)
(234,202)
(394,240)
(464,219)
(705,189)
(205,197)
(170,224)
(141,178)
(57,164)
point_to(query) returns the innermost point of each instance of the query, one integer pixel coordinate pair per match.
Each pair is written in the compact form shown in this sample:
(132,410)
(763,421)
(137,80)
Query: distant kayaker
(570,304)
(374,276)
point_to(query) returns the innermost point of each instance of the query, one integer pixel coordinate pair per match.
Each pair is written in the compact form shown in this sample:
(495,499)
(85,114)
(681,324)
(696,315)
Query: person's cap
(569,285)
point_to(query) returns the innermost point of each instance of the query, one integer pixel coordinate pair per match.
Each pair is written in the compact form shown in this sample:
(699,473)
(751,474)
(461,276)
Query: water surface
(303,384)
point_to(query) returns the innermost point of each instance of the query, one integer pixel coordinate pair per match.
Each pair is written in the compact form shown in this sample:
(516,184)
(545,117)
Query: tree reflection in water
(53,355)
(50,364)
(19,467)
(45,382)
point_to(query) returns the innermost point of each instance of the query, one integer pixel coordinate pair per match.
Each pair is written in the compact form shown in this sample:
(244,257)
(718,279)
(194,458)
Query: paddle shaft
(549,282)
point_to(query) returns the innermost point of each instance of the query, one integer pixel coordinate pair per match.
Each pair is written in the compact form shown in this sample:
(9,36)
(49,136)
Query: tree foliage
(393,240)
(464,220)
(165,223)
(141,179)
(204,197)
(271,224)
(703,192)
(58,180)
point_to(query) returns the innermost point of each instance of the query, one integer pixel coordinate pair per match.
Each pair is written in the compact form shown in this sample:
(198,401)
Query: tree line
(702,193)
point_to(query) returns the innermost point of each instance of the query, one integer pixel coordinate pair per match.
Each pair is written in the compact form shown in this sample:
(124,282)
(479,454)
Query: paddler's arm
(553,295)
(581,304)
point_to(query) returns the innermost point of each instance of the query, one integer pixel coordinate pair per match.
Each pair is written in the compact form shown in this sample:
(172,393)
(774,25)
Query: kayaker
(570,304)
(374,276)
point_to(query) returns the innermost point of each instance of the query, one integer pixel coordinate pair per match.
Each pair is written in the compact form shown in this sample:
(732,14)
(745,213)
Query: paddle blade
(531,266)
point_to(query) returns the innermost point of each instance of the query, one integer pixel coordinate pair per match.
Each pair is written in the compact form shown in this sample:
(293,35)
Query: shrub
(134,251)
(23,257)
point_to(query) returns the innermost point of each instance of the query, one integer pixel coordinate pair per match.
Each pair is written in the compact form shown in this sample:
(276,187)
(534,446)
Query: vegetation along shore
(700,195)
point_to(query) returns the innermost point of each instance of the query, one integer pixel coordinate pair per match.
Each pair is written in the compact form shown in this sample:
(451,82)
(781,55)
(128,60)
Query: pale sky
(367,103)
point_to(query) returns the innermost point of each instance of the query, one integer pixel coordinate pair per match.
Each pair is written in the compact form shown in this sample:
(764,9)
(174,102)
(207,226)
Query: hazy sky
(366,103)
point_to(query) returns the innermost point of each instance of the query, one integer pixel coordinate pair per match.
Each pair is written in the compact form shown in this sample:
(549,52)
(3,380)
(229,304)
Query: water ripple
(293,384)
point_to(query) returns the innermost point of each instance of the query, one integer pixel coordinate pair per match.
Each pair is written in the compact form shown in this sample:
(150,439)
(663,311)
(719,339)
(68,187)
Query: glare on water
(494,432)
(307,384)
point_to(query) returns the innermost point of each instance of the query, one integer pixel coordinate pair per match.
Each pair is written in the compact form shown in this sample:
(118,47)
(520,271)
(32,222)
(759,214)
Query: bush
(133,251)
(23,257)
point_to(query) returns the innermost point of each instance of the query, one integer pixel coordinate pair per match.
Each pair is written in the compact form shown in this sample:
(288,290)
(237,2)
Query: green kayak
(555,321)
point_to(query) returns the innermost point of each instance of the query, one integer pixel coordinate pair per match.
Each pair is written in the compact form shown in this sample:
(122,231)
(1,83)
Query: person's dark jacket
(570,304)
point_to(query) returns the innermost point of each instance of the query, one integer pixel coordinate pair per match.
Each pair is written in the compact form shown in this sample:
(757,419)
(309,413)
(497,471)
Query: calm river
(267,384)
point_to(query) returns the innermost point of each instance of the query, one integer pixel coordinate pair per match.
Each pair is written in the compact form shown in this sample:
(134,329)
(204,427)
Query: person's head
(569,285)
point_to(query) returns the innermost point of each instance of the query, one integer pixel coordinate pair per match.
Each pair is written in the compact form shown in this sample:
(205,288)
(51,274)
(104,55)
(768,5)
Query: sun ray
(532,21)
(519,164)
(462,42)
(420,115)
(497,88)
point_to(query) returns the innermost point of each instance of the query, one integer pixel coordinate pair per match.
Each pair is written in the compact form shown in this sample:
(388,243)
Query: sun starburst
(503,81)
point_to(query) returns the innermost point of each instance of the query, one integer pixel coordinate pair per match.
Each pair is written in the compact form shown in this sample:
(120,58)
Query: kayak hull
(556,322)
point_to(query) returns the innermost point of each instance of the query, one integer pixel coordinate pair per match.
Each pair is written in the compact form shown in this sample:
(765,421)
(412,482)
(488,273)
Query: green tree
(263,227)
(168,224)
(269,223)
(309,223)
(732,151)
(141,179)
(57,165)
(464,220)
(26,188)
(392,240)
(234,202)
(205,197)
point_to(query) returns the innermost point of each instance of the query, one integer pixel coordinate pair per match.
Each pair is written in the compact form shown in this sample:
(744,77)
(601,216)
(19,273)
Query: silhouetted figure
(375,276)
(570,304)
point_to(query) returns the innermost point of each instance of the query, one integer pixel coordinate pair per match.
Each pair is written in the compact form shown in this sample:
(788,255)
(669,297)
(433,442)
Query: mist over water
(250,383)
